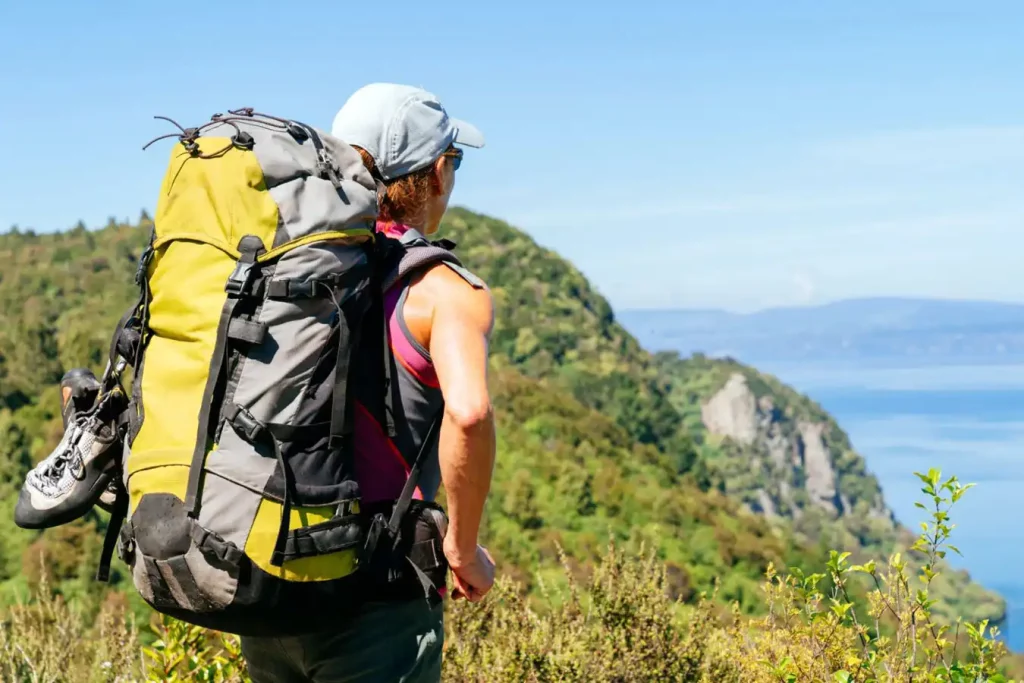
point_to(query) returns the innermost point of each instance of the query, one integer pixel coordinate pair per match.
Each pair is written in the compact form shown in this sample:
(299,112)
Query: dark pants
(397,642)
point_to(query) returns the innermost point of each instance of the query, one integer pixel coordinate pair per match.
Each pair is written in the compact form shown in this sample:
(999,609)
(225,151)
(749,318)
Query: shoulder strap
(418,253)
(412,481)
(388,527)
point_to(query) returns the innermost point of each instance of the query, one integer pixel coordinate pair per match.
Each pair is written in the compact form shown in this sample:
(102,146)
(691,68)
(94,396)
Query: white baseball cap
(403,128)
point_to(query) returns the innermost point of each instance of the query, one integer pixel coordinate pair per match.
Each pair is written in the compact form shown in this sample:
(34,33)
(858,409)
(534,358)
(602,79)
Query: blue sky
(736,154)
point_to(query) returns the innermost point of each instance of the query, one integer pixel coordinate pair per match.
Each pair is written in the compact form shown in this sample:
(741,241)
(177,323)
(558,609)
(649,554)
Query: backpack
(260,308)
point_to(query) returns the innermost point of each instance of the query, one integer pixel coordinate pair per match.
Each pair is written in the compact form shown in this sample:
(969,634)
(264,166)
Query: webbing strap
(292,289)
(389,389)
(135,340)
(430,591)
(237,286)
(310,288)
(338,533)
(405,499)
(378,525)
(110,539)
(348,342)
(281,545)
(249,331)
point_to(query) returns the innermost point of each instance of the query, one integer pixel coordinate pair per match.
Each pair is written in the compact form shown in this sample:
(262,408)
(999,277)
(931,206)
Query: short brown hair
(406,196)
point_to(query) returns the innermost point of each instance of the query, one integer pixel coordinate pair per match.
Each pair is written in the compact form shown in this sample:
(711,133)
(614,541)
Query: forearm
(466,452)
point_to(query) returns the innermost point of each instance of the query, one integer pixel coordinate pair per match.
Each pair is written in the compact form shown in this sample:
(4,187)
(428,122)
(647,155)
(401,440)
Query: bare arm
(460,329)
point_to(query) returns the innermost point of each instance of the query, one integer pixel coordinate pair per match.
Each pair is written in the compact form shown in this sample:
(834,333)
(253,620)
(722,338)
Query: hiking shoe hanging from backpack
(75,475)
(78,391)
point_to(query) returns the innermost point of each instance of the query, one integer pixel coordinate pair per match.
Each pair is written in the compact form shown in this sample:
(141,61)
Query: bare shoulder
(441,296)
(453,297)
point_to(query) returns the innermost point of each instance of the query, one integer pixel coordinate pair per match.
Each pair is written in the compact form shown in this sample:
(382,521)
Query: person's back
(438,321)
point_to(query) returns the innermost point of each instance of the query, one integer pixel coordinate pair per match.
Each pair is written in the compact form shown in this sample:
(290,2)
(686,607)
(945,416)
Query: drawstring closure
(188,137)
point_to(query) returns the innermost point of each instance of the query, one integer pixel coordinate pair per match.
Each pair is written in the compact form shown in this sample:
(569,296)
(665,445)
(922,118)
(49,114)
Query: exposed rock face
(779,465)
(817,464)
(732,412)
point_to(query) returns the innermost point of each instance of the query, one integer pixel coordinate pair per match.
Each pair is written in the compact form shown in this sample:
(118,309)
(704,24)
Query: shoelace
(51,470)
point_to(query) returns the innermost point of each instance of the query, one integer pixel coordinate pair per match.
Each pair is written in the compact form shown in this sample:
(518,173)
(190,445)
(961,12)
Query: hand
(473,577)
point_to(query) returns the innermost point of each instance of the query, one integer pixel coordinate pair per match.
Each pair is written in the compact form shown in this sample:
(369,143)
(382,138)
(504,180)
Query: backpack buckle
(244,422)
(240,281)
(242,277)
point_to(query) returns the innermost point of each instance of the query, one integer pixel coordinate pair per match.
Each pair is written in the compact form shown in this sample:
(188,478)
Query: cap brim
(467,134)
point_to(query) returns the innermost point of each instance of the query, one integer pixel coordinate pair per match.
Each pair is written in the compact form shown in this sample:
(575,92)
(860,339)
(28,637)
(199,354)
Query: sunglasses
(456,155)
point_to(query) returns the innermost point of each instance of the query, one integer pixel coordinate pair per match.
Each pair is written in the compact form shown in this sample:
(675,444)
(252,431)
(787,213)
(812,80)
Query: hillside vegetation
(599,441)
(664,400)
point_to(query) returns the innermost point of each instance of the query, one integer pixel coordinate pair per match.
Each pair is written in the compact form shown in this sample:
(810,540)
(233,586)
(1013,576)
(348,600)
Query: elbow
(469,415)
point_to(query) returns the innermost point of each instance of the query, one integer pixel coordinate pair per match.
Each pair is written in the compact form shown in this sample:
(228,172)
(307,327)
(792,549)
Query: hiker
(439,323)
(306,369)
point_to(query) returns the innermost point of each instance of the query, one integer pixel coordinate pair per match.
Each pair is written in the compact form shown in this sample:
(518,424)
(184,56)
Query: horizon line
(824,304)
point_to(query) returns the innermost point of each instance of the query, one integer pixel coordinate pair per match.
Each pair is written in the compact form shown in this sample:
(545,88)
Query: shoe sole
(75,506)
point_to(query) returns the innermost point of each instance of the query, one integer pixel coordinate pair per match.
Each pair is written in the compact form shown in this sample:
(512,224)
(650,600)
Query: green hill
(789,461)
(597,437)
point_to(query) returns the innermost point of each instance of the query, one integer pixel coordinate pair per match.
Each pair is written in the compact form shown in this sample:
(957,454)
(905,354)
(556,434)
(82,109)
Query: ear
(438,180)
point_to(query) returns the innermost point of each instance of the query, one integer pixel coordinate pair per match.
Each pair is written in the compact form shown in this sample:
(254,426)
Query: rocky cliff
(777,451)
(803,458)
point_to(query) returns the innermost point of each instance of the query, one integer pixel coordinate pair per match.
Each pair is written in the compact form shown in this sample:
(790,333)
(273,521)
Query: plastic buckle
(245,424)
(325,166)
(323,158)
(240,280)
(306,290)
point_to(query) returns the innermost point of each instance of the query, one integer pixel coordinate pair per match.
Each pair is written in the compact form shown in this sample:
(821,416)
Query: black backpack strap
(389,527)
(349,339)
(238,286)
(110,539)
(412,481)
(387,254)
(419,253)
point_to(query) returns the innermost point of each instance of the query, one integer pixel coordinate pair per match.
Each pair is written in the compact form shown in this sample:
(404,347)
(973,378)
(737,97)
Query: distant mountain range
(876,330)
